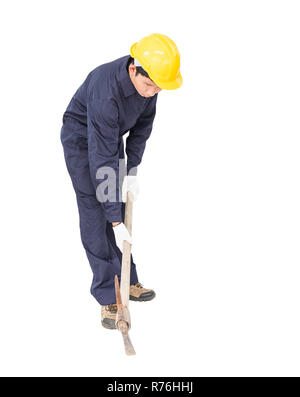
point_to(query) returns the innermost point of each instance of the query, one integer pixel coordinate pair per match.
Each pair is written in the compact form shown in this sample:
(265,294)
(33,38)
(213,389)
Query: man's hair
(139,69)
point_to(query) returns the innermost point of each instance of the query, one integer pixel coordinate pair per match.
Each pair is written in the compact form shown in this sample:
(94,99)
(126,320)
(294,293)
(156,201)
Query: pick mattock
(123,322)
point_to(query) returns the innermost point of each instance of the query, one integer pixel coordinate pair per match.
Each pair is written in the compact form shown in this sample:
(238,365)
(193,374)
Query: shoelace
(138,285)
(112,308)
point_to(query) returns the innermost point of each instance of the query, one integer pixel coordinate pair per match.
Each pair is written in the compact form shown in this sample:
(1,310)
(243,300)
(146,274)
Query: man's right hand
(121,234)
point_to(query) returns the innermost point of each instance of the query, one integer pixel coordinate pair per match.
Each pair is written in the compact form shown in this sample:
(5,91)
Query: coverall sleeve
(138,135)
(103,151)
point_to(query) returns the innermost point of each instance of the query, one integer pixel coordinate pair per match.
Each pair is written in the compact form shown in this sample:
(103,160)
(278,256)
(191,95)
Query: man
(115,98)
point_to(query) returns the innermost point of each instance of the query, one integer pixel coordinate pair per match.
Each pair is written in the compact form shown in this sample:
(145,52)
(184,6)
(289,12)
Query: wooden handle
(128,212)
(126,263)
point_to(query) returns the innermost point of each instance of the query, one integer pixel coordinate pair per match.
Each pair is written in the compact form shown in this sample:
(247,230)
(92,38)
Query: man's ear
(132,68)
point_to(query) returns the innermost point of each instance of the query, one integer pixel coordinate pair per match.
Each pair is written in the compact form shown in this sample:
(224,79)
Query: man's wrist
(115,223)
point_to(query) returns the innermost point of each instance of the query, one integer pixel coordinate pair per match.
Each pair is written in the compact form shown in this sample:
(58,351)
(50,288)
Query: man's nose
(153,91)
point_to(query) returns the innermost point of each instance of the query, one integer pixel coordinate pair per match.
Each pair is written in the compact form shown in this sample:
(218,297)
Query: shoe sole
(142,299)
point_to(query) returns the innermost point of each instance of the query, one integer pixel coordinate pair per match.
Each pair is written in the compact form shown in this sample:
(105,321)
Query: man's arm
(138,135)
(103,150)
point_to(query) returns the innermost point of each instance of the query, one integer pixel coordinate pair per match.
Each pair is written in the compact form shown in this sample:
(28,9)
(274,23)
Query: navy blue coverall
(103,109)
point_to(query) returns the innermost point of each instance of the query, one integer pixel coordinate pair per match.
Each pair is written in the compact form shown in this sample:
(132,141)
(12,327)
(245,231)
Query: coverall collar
(126,83)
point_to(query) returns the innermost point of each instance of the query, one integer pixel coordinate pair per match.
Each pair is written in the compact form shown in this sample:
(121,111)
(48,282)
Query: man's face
(144,86)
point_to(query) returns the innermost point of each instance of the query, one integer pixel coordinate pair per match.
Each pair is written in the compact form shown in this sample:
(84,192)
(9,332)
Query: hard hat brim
(170,85)
(132,50)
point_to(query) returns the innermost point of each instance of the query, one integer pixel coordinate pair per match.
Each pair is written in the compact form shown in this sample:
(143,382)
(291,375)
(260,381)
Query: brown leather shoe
(108,316)
(138,293)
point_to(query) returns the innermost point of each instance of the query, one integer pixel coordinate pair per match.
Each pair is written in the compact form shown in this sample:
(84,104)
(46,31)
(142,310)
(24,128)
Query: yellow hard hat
(160,57)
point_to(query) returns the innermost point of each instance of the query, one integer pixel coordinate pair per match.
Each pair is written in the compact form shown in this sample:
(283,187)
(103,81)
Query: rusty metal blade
(118,292)
(129,350)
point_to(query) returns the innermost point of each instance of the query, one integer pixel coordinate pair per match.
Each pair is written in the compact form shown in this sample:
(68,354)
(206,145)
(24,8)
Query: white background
(217,223)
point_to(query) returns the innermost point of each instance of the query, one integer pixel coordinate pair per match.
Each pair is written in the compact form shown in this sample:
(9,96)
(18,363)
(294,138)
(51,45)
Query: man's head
(141,80)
